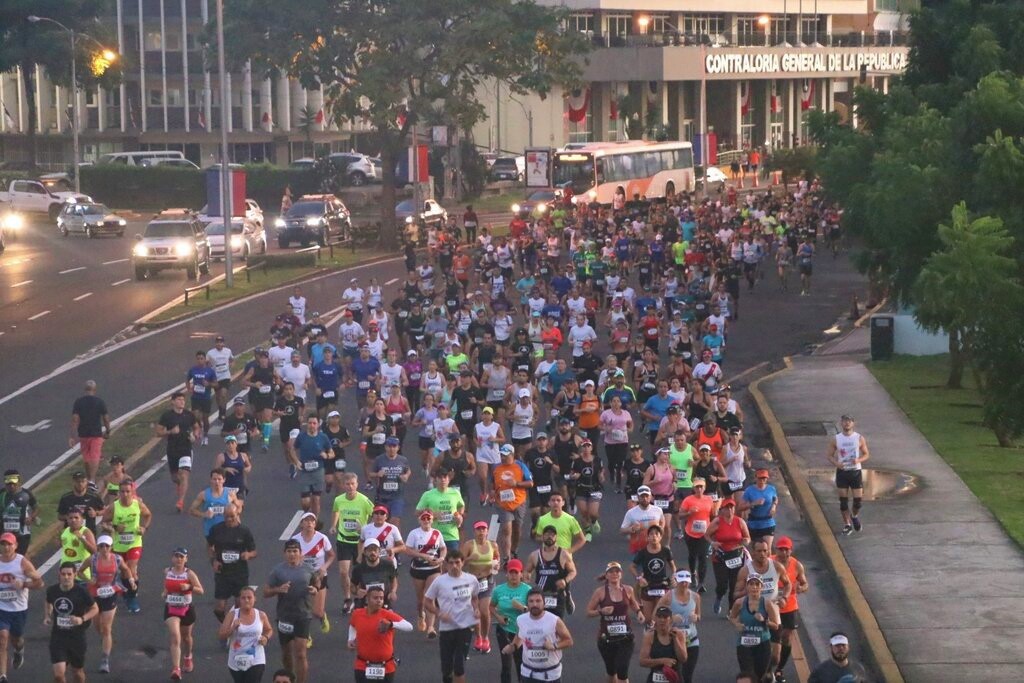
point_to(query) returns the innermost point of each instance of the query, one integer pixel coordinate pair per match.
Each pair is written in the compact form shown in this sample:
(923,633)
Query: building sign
(812,62)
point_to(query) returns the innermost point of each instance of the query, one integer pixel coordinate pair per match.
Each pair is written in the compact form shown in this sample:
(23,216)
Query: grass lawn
(491,203)
(951,420)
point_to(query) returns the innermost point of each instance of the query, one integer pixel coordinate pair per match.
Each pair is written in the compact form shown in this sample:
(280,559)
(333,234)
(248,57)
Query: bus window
(576,170)
(599,170)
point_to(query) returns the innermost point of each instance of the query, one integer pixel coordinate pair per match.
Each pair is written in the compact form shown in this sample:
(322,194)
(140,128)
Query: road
(771,325)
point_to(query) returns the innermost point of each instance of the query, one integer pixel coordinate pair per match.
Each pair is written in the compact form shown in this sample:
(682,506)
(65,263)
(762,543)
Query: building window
(172,41)
(704,24)
(156,98)
(112,97)
(620,25)
(584,23)
(659,23)
(581,132)
(811,28)
(154,39)
(174,97)
(92,98)
(195,97)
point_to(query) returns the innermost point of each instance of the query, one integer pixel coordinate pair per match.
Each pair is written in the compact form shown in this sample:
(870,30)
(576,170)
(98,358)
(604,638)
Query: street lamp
(108,55)
(764,21)
(225,171)
(643,22)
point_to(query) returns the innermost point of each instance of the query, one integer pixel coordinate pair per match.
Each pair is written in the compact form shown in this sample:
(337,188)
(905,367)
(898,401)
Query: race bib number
(466,414)
(311,465)
(328,394)
(499,394)
(619,434)
(750,641)
(699,526)
(539,656)
(178,600)
(310,562)
(403,314)
(105,591)
(655,592)
(378,439)
(243,662)
(242,437)
(374,672)
(12,525)
(507,495)
(390,486)
(265,389)
(285,627)
(663,504)
(445,518)
(550,601)
(396,417)
(217,509)
(350,525)
(735,485)
(65,622)
(230,556)
(484,585)
(681,475)
(734,562)
(596,495)
(461,592)
(126,539)
(185,462)
(543,489)
(428,430)
(658,677)
(617,629)
(714,497)
(8,595)
(364,384)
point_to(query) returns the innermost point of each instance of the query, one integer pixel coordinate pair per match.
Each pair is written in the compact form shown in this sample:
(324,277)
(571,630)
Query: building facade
(736,73)
(170,99)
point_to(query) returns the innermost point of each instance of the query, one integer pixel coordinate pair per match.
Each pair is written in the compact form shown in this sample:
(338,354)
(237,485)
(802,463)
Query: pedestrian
(90,426)
(69,608)
(543,637)
(19,509)
(508,601)
(247,631)
(754,618)
(452,598)
(372,636)
(612,604)
(293,584)
(286,199)
(181,429)
(231,546)
(17,577)
(848,451)
(839,668)
(790,609)
(180,584)
(663,649)
(110,576)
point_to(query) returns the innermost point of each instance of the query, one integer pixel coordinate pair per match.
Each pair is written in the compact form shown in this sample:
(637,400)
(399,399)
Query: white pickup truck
(31,196)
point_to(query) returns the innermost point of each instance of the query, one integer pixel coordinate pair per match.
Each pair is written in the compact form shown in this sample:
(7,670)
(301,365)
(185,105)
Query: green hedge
(131,187)
(285,259)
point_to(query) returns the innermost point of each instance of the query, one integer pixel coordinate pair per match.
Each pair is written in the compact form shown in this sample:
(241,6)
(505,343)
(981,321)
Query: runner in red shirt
(371,633)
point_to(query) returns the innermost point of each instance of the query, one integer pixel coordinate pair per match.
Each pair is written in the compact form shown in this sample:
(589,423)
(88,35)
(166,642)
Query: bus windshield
(576,171)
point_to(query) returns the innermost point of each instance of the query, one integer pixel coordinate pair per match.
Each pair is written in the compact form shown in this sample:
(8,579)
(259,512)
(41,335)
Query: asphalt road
(771,325)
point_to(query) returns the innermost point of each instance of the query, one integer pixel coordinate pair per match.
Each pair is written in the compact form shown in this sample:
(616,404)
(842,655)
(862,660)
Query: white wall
(914,341)
(515,126)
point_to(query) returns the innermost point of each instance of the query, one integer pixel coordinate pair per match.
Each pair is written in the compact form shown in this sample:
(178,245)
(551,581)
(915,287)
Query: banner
(807,94)
(744,97)
(538,167)
(579,104)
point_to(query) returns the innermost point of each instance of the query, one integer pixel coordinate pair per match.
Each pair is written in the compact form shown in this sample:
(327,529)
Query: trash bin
(883,338)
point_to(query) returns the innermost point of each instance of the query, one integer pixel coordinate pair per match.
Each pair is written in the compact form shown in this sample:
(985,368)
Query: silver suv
(356,169)
(173,240)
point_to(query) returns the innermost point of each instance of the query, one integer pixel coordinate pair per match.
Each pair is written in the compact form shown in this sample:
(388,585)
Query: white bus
(649,169)
(136,158)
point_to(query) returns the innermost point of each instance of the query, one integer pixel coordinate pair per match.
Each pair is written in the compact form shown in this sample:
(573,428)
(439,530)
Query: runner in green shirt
(352,512)
(681,457)
(570,534)
(447,506)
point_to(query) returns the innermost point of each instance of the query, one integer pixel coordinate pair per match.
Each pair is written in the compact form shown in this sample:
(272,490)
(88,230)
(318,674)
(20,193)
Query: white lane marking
(289,530)
(28,429)
(74,363)
(83,296)
(71,270)
(39,315)
(391,281)
(120,282)
(55,558)
(110,263)
(22,283)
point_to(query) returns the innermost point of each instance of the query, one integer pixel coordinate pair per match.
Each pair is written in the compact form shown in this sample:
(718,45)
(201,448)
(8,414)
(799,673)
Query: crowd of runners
(525,379)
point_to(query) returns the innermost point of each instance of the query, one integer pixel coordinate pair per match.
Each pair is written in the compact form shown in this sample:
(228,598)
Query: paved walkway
(944,582)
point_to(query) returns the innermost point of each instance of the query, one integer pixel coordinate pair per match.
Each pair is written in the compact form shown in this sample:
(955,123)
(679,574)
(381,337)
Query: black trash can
(883,338)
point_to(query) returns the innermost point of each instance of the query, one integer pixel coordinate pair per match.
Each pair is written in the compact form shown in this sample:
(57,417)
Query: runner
(210,503)
(588,474)
(489,437)
(288,409)
(241,425)
(294,584)
(387,535)
(611,603)
(761,500)
(640,518)
(181,429)
(126,520)
(247,631)
(374,569)
(728,536)
(482,560)
(697,509)
(236,466)
(684,605)
(426,546)
(317,554)
(110,575)
(663,649)
(351,512)
(790,609)
(69,608)
(552,569)
(310,448)
(512,480)
(570,534)
(371,634)
(391,471)
(848,451)
(17,577)
(542,636)
(660,478)
(200,381)
(754,618)
(260,379)
(180,584)
(452,598)
(447,507)
(77,543)
(543,472)
(230,546)
(653,567)
(81,499)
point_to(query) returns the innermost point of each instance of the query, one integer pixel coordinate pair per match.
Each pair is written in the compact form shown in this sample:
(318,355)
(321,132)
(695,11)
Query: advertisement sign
(538,167)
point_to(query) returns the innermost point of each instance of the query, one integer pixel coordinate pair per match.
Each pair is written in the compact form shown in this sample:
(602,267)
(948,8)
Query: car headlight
(122,222)
(236,242)
(14,221)
(592,195)
(183,249)
(313,222)
(140,250)
(516,208)
(542,208)
(279,223)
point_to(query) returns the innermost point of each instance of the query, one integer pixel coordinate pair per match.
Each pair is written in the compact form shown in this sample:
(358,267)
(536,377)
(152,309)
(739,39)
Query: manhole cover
(878,484)
(805,429)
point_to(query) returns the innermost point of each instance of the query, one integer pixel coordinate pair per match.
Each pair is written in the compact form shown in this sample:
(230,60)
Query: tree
(25,44)
(387,61)
(971,288)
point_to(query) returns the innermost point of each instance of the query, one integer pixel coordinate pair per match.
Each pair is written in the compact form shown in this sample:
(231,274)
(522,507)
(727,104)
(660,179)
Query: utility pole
(225,171)
(414,175)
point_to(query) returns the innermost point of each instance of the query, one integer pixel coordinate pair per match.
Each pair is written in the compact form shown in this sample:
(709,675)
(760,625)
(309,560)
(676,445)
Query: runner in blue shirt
(200,382)
(366,369)
(327,375)
(655,409)
(761,500)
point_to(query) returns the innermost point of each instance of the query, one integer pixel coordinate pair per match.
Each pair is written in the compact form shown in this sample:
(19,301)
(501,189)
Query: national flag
(579,104)
(613,110)
(319,118)
(807,94)
(131,112)
(744,97)
(9,119)
(201,120)
(776,101)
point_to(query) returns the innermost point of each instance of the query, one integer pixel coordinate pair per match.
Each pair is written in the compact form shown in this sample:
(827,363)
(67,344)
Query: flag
(319,118)
(401,118)
(744,97)
(131,112)
(69,112)
(807,94)
(579,104)
(268,123)
(613,110)
(776,103)
(9,119)
(201,120)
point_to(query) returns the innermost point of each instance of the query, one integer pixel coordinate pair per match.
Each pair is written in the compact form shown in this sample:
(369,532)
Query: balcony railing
(727,39)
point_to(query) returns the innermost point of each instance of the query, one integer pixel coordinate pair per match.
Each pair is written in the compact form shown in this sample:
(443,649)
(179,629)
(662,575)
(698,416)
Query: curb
(874,639)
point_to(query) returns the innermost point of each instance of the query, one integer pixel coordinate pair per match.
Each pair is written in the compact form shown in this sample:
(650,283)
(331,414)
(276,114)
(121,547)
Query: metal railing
(758,39)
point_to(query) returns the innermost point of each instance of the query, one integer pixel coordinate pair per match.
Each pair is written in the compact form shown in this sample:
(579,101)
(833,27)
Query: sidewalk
(944,586)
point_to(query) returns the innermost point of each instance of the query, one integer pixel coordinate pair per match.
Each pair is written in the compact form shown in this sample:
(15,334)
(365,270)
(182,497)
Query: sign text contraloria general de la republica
(803,62)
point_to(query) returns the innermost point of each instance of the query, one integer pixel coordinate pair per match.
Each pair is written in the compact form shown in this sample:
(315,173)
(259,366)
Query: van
(136,158)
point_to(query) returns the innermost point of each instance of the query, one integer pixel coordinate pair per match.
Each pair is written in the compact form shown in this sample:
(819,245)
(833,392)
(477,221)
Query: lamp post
(764,21)
(109,55)
(225,170)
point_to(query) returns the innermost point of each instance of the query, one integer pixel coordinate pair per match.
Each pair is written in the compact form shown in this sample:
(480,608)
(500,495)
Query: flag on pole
(131,112)
(9,119)
(201,119)
(579,104)
(744,97)
(807,94)
(776,104)
(319,117)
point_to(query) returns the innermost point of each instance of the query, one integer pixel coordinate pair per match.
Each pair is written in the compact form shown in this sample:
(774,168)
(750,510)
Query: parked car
(540,200)
(713,179)
(253,212)
(89,219)
(508,168)
(173,240)
(313,218)
(31,196)
(431,212)
(357,169)
(247,237)
(490,158)
(303,163)
(168,163)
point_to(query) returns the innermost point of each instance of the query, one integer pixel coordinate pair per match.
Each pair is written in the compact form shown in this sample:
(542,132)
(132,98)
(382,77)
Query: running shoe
(679,535)
(266,445)
(857,526)
(595,527)
(179,506)
(780,677)
(18,660)
(206,440)
(175,674)
(187,665)
(701,588)
(92,487)
(105,664)
(478,644)
(847,530)
(347,606)
(3,678)
(718,605)
(325,624)
(486,642)
(133,605)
